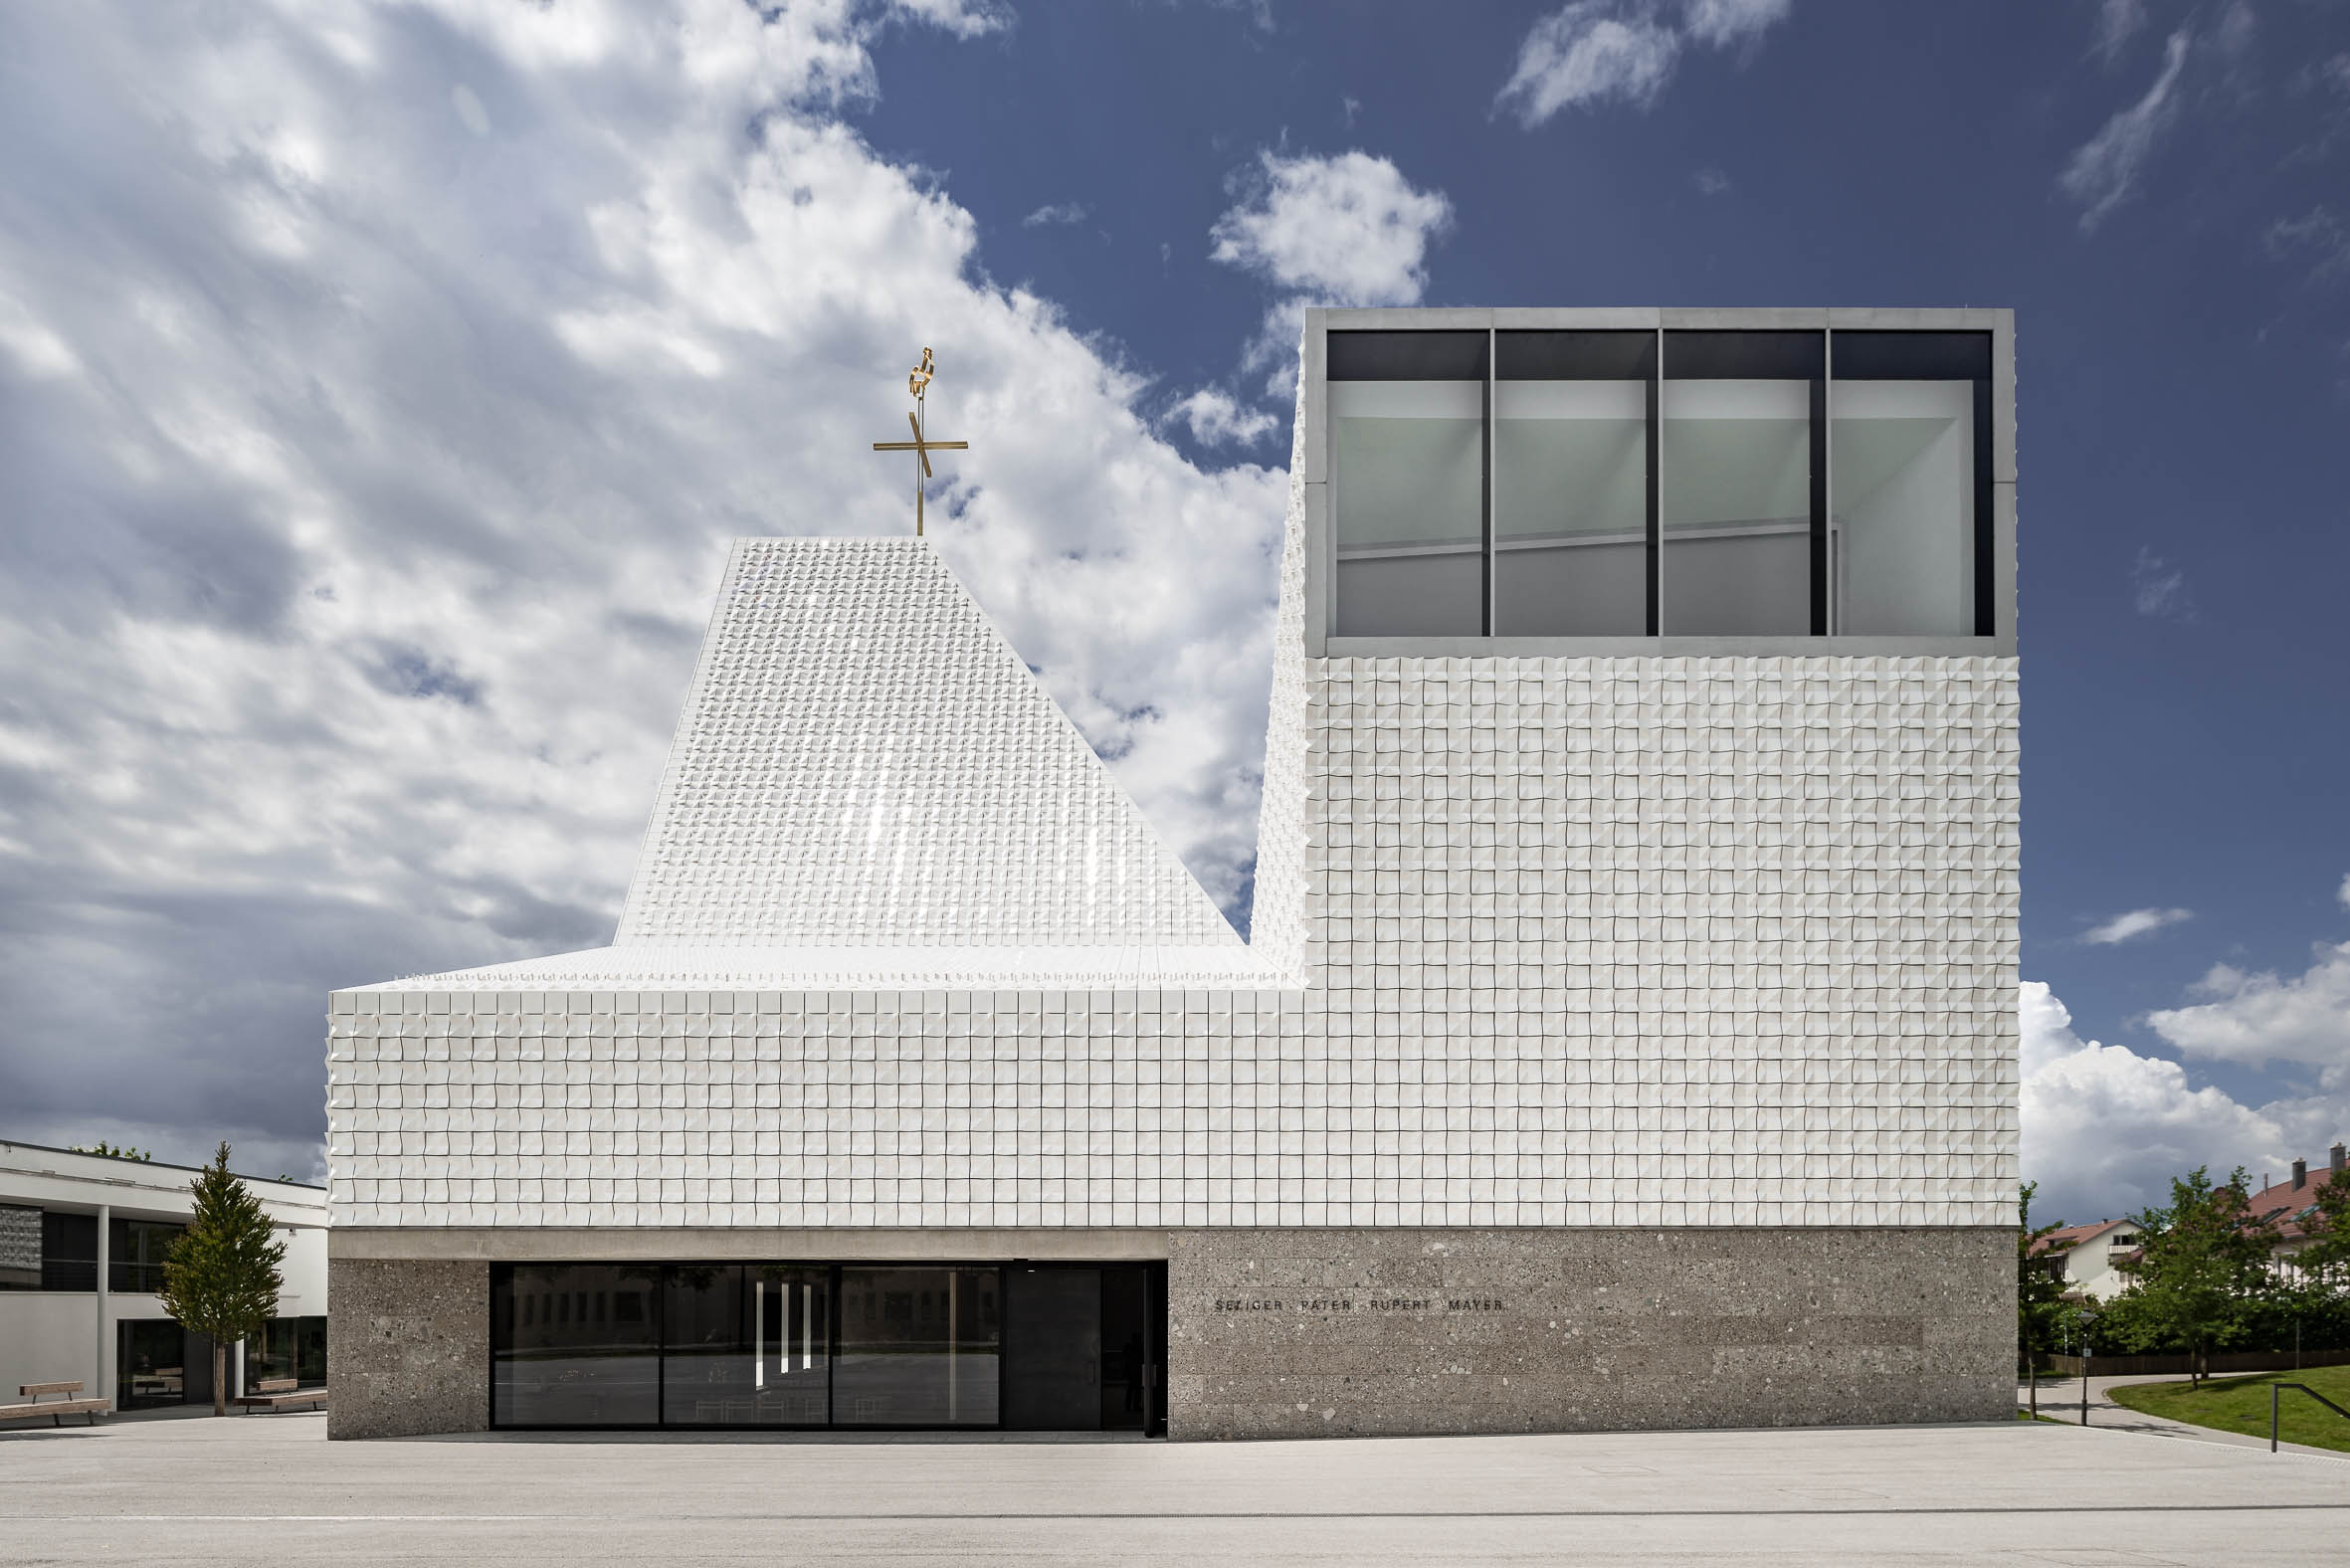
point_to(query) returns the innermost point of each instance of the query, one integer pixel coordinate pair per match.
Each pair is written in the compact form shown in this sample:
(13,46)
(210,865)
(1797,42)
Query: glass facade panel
(1407,502)
(294,1347)
(152,1364)
(135,1249)
(69,1251)
(575,1344)
(706,1357)
(1696,482)
(1901,527)
(1735,483)
(1570,508)
(19,1247)
(1413,595)
(919,1347)
(791,1344)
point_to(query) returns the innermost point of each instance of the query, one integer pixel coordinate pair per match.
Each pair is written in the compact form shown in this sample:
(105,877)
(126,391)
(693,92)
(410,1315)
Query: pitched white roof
(869,790)
(863,761)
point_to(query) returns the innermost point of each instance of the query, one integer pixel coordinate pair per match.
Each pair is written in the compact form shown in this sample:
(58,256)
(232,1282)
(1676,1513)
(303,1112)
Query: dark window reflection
(575,1344)
(919,1347)
(135,1250)
(294,1347)
(746,1345)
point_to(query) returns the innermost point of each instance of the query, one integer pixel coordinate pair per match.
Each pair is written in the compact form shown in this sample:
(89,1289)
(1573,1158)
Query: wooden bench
(275,1393)
(67,1404)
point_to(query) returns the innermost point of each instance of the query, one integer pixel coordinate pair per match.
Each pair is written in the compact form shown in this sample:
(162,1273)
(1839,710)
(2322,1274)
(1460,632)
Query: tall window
(1907,531)
(1572,482)
(1738,476)
(1408,469)
(1682,483)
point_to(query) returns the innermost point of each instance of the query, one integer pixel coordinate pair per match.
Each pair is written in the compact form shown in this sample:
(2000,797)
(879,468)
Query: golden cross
(918,383)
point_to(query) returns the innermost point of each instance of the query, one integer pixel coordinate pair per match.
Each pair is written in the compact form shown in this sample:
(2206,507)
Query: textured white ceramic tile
(1556,942)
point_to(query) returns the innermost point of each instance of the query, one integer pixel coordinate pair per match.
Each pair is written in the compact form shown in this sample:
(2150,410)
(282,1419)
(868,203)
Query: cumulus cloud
(1349,230)
(2106,1129)
(1216,419)
(1593,52)
(2137,922)
(1066,211)
(2103,171)
(2260,1018)
(372,449)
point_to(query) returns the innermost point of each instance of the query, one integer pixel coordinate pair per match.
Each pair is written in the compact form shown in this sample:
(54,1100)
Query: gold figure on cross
(918,383)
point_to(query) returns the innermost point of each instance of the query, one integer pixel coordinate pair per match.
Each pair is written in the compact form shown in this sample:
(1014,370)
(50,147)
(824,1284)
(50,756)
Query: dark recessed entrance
(1043,1347)
(1081,1348)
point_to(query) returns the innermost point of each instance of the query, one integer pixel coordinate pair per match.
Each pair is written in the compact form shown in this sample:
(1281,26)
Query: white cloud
(2260,1018)
(1593,51)
(2137,922)
(1588,53)
(2342,893)
(2159,589)
(1216,419)
(2118,21)
(2104,171)
(1722,23)
(374,476)
(1060,212)
(1347,230)
(2105,1128)
(2318,238)
(1712,182)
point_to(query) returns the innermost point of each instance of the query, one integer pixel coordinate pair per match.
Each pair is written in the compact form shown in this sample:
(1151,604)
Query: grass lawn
(2241,1404)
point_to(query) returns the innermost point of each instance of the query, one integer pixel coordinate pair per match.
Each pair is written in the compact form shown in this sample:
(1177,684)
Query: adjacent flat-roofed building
(82,1239)
(1626,1038)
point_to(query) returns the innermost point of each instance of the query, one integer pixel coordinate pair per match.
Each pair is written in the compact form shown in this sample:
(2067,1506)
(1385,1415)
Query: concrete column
(102,1386)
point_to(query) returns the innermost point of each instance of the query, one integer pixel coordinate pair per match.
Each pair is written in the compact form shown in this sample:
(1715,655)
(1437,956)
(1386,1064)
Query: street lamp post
(2084,1367)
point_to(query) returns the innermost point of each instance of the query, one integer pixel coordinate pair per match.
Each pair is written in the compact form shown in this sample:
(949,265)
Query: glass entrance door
(1052,1348)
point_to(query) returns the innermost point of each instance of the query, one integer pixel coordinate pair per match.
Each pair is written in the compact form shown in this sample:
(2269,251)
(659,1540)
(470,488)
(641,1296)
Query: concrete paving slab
(273,1490)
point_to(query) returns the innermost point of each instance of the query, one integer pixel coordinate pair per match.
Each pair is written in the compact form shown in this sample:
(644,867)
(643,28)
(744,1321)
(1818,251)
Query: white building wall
(1594,943)
(1566,942)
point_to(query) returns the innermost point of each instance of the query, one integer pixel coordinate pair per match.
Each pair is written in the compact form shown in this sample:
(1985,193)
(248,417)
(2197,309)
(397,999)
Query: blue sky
(383,382)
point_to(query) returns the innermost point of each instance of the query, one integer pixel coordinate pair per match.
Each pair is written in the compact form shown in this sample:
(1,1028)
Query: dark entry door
(1052,1348)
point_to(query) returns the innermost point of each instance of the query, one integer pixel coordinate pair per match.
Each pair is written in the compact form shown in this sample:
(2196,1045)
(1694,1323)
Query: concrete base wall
(407,1347)
(1301,1333)
(1295,1332)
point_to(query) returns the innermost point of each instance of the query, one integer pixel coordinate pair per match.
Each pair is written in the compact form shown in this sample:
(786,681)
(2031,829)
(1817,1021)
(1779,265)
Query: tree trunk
(220,1378)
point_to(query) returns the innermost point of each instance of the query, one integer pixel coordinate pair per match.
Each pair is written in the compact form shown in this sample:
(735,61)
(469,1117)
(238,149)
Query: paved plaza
(272,1490)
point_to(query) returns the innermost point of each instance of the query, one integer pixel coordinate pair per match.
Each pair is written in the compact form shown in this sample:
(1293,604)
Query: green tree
(2327,1257)
(221,1278)
(107,1151)
(2040,1292)
(2202,1262)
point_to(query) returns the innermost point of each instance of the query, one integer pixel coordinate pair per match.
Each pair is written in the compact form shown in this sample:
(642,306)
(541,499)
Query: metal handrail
(2307,1389)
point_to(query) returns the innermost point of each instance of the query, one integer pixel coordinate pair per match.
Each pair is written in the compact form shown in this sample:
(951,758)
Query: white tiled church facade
(1539,942)
(1594,943)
